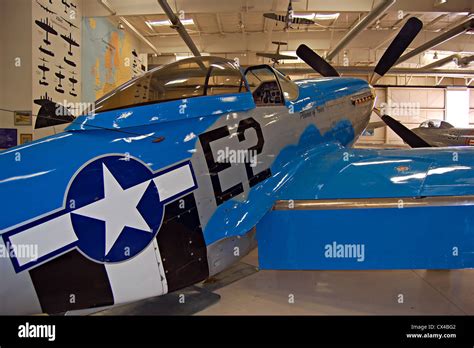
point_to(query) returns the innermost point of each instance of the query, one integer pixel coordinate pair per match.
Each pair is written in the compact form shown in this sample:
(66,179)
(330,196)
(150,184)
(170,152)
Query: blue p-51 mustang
(162,184)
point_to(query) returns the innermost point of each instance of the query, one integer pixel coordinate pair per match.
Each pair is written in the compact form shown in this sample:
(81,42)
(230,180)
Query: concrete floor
(347,293)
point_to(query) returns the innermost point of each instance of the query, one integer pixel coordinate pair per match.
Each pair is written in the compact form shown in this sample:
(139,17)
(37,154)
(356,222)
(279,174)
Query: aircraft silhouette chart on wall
(47,28)
(60,77)
(69,62)
(45,51)
(69,39)
(73,81)
(45,8)
(70,23)
(51,113)
(43,69)
(66,5)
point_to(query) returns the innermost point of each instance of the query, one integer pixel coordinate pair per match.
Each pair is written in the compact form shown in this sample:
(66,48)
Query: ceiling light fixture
(167,23)
(316,16)
(326,16)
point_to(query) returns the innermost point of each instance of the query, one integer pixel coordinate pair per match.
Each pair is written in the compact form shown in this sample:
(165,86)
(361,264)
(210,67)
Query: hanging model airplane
(276,57)
(289,18)
(149,194)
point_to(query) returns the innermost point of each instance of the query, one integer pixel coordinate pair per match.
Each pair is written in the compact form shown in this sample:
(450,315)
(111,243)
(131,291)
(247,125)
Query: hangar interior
(76,51)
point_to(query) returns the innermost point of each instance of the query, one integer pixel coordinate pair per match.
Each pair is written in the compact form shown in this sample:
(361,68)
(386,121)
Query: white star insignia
(118,208)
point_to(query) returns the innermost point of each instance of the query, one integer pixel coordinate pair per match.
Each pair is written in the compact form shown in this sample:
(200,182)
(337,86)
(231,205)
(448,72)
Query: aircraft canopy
(187,78)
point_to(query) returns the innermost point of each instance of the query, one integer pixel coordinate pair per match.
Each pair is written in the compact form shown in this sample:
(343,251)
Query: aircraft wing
(275,17)
(276,56)
(280,18)
(382,173)
(375,125)
(408,208)
(298,20)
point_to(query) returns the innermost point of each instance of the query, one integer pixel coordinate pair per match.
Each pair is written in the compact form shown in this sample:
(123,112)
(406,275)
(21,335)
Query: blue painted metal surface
(428,237)
(362,239)
(358,173)
(38,173)
(176,110)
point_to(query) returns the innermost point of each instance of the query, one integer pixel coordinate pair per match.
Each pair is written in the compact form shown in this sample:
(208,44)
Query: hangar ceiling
(238,29)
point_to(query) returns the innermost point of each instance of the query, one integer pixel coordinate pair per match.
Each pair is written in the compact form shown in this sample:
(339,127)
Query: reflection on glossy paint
(42,141)
(189,137)
(435,171)
(229,99)
(130,139)
(243,218)
(125,115)
(23,177)
(380,162)
(404,179)
(443,170)
(174,82)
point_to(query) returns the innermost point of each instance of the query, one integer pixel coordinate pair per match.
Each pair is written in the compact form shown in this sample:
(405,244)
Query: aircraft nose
(17,293)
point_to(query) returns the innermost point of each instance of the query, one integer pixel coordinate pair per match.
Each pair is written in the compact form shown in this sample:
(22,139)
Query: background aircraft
(275,57)
(289,18)
(431,133)
(162,185)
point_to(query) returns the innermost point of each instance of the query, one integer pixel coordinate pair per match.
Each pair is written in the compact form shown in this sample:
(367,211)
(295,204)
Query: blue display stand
(364,239)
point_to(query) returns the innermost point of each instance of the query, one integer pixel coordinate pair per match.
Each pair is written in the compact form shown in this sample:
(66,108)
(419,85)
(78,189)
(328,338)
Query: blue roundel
(115,208)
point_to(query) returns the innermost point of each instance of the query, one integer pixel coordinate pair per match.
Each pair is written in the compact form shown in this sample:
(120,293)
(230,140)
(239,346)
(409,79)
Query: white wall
(15,41)
(457,106)
(411,106)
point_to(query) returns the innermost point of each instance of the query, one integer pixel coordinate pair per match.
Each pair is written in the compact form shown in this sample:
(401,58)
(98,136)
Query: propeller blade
(403,132)
(315,61)
(403,39)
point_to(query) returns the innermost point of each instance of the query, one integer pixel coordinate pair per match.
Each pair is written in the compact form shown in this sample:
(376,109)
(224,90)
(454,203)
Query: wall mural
(56,64)
(109,57)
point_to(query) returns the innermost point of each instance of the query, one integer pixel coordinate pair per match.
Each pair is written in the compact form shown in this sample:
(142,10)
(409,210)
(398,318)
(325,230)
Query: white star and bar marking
(118,209)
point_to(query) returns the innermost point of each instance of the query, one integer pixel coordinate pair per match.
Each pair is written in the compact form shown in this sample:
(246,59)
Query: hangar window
(188,78)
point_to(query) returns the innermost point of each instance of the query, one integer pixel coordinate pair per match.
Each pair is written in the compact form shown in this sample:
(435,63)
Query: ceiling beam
(440,62)
(359,27)
(436,20)
(219,23)
(179,27)
(138,34)
(457,30)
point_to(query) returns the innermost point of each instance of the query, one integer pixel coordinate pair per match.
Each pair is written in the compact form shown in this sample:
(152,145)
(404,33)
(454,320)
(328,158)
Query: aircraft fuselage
(138,202)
